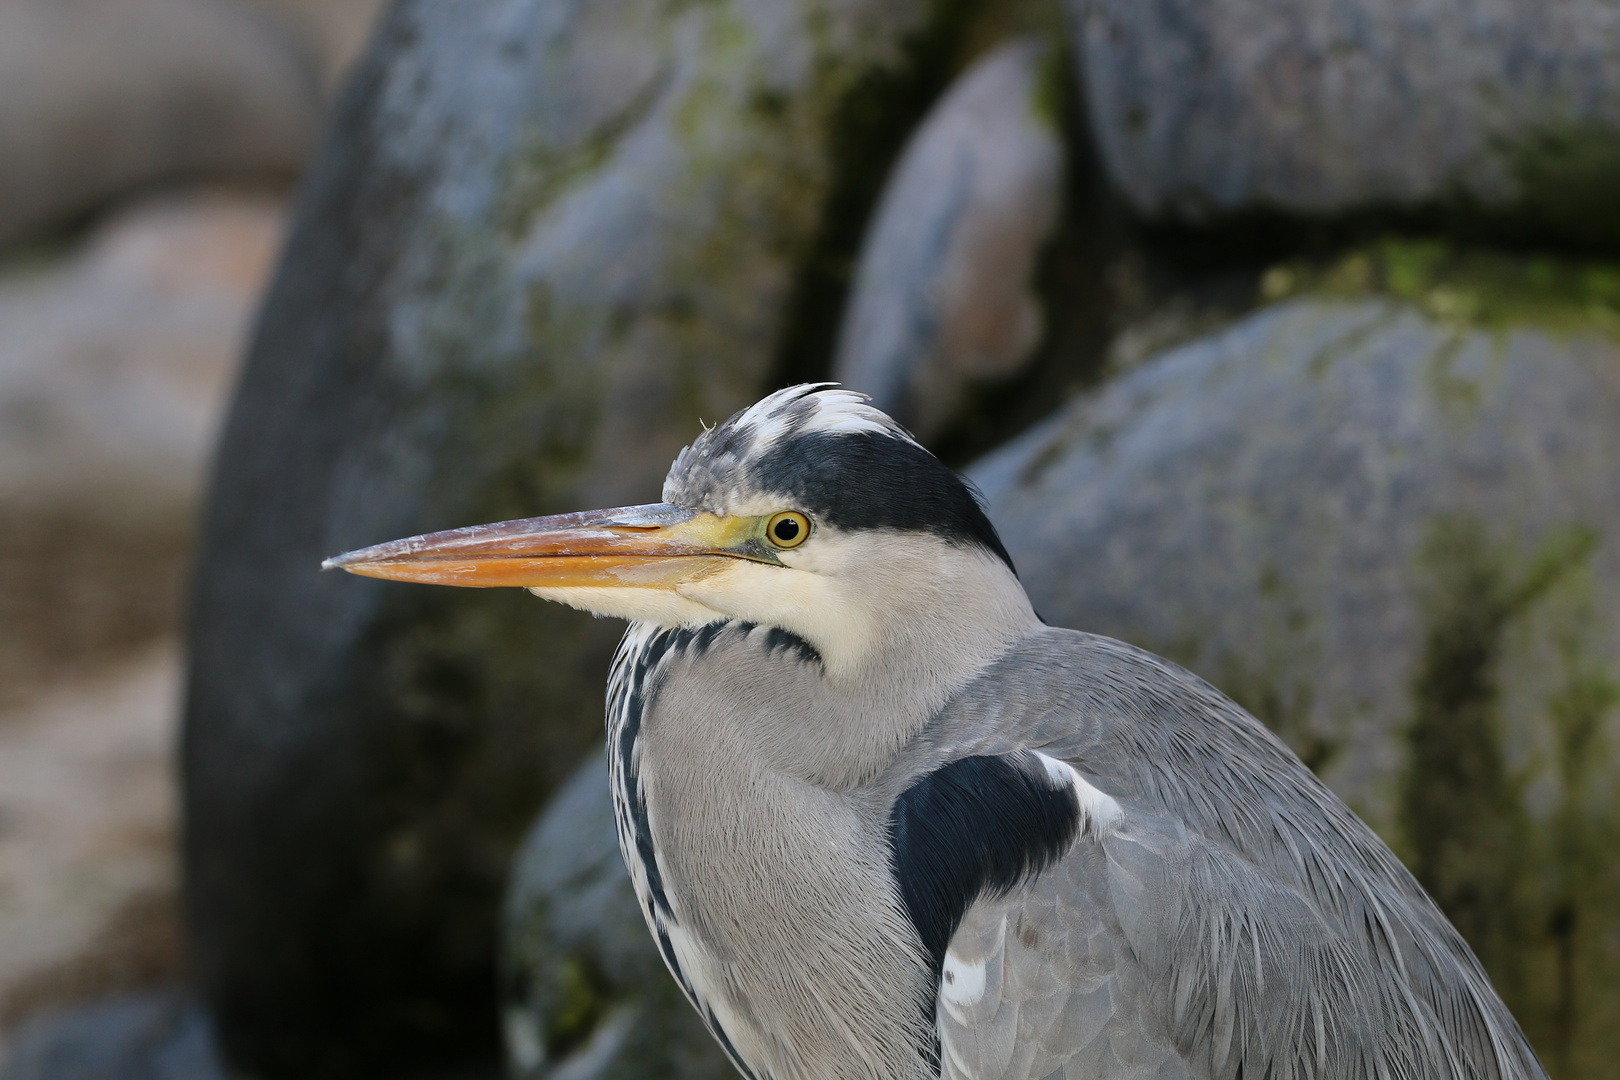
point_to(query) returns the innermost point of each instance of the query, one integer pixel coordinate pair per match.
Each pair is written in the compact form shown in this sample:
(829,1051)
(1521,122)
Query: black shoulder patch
(976,826)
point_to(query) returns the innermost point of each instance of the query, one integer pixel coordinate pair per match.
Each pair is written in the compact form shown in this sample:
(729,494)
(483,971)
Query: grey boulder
(585,994)
(1392,531)
(1324,107)
(161,1035)
(329,33)
(100,97)
(543,240)
(116,359)
(945,294)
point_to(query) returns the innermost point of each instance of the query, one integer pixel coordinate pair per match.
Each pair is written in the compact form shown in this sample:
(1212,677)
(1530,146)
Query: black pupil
(786,530)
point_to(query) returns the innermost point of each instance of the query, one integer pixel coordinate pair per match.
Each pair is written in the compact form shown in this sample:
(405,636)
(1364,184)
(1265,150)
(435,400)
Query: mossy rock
(585,993)
(1465,286)
(944,298)
(1394,535)
(1337,107)
(543,239)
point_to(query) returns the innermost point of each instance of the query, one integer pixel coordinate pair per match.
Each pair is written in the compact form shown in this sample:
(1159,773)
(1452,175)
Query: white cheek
(659,606)
(815,606)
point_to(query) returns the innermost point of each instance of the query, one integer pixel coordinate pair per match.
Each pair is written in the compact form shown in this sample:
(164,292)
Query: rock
(543,239)
(330,33)
(1336,106)
(944,297)
(157,1036)
(1384,514)
(101,97)
(586,994)
(115,359)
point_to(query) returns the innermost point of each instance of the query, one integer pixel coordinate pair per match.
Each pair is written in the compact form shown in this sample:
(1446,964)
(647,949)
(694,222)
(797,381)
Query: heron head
(810,511)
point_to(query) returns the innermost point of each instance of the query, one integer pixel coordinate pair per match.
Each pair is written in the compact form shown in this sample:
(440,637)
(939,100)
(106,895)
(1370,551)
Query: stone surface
(155,1036)
(101,97)
(1336,106)
(88,882)
(329,33)
(585,994)
(543,239)
(116,356)
(1386,518)
(944,297)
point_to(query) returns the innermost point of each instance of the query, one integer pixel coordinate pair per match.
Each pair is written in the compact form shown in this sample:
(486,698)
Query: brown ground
(116,358)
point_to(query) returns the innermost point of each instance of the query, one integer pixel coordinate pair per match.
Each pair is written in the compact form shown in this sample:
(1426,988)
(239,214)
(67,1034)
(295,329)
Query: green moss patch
(1467,286)
(1531,887)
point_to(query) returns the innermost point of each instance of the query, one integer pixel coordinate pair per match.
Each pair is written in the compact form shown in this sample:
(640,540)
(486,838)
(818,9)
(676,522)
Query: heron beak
(656,546)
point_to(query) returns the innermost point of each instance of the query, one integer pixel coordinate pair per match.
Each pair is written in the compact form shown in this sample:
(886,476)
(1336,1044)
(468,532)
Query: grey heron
(886,824)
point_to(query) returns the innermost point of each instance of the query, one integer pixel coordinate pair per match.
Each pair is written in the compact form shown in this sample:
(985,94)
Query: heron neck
(936,633)
(810,967)
(838,723)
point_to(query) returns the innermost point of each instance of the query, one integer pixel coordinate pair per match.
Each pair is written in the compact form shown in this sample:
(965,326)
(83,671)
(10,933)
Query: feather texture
(1222,917)
(1236,913)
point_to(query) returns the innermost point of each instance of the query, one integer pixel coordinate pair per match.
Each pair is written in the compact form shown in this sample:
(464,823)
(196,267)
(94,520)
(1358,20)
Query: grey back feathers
(1234,919)
(1271,933)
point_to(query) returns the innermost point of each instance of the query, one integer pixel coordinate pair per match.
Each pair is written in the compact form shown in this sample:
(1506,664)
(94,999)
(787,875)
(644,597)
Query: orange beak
(654,546)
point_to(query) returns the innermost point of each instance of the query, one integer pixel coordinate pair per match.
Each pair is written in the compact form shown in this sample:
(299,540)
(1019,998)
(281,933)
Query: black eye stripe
(870,481)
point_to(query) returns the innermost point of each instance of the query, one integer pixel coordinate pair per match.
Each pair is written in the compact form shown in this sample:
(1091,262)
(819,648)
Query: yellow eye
(788,529)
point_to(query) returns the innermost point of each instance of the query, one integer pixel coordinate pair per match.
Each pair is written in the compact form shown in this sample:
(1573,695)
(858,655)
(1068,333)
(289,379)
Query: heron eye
(787,529)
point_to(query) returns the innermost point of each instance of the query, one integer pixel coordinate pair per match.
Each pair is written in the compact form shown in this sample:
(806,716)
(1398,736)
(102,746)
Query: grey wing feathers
(1043,984)
(1237,908)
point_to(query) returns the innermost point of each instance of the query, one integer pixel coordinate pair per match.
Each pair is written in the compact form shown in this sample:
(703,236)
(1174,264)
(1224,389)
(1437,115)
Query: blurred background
(1282,337)
(149,151)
